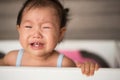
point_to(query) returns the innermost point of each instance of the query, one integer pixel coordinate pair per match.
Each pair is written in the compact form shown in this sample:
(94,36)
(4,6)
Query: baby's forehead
(40,15)
(29,7)
(40,11)
(52,10)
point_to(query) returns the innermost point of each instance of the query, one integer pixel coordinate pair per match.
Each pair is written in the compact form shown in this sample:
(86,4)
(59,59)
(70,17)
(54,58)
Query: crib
(52,73)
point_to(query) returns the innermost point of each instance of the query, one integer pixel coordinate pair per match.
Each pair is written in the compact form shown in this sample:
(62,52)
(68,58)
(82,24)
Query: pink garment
(75,56)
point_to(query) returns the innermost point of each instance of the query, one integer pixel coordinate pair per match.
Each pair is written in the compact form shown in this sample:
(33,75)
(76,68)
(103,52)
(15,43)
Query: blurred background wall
(89,19)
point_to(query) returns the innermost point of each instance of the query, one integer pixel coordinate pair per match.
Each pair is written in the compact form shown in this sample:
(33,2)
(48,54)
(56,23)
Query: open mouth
(37,45)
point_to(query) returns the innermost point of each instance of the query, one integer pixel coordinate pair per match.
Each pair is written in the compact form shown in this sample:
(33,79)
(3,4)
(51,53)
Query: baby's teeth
(36,44)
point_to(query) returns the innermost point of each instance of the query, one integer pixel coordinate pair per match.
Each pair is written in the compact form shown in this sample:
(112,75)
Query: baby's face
(39,31)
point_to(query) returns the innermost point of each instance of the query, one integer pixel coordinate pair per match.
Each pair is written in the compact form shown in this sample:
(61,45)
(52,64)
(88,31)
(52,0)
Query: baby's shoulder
(10,58)
(12,53)
(68,62)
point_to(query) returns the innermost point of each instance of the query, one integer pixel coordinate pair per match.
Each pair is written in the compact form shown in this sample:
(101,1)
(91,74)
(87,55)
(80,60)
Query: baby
(42,25)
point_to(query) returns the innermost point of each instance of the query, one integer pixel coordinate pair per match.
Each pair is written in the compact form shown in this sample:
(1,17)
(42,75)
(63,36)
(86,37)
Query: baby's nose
(37,34)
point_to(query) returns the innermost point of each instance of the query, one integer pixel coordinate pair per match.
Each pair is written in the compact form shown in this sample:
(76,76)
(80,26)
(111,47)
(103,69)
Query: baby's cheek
(52,43)
(23,38)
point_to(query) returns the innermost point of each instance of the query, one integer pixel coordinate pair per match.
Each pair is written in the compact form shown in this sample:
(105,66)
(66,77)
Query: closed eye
(46,27)
(28,26)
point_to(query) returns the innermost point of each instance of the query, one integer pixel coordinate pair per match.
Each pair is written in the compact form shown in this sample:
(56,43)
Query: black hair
(62,13)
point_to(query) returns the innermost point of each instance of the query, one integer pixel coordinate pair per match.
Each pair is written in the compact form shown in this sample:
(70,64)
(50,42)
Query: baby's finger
(87,68)
(83,68)
(96,67)
(92,69)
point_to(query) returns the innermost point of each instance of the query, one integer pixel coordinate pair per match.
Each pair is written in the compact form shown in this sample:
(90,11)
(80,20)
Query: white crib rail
(48,73)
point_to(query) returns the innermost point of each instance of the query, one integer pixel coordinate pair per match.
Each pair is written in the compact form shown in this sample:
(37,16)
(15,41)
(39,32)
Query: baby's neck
(45,60)
(42,57)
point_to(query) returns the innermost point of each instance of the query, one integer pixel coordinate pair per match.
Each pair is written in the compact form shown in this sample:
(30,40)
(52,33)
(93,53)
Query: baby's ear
(18,28)
(62,33)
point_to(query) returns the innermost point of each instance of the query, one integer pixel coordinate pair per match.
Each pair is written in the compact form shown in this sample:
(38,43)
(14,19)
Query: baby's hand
(88,68)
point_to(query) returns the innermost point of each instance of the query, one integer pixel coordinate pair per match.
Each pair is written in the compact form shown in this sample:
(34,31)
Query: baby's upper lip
(36,42)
